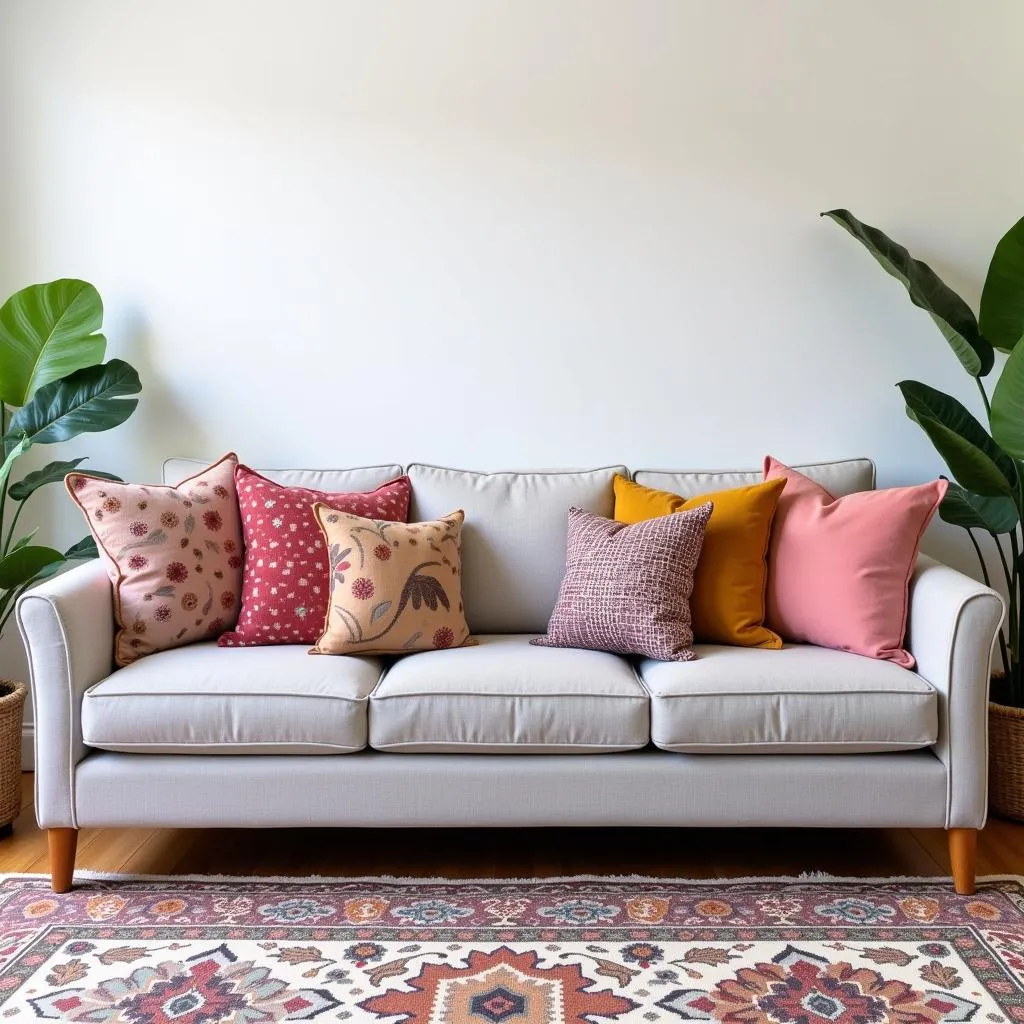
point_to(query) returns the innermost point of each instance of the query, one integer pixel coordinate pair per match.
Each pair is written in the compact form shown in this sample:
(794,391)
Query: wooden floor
(512,853)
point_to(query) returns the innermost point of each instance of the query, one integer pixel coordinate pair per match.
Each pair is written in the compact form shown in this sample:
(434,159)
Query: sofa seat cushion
(506,696)
(800,699)
(205,699)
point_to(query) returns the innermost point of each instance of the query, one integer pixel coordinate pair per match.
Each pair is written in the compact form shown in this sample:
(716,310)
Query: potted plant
(54,386)
(12,705)
(985,460)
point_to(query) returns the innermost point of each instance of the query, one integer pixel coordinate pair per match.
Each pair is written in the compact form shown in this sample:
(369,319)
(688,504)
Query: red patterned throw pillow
(286,583)
(627,588)
(173,554)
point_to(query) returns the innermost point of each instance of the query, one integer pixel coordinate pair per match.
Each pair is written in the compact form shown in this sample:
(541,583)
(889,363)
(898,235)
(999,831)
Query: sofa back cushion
(513,542)
(362,478)
(838,478)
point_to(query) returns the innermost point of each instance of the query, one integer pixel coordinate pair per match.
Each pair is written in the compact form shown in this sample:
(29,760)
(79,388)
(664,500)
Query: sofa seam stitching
(951,658)
(929,692)
(219,693)
(52,605)
(376,698)
(505,743)
(903,744)
(248,743)
(515,472)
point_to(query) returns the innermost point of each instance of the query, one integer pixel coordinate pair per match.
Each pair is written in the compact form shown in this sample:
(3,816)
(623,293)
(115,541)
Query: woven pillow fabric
(727,602)
(839,568)
(395,588)
(286,584)
(627,588)
(173,554)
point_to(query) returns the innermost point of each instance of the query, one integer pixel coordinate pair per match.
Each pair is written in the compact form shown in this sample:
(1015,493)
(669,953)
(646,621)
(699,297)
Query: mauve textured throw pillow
(627,588)
(286,583)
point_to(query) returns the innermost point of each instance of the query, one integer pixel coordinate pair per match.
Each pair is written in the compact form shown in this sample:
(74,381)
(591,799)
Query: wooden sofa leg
(63,843)
(963,845)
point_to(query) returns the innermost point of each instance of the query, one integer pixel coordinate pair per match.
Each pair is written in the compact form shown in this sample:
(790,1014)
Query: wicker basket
(1006,761)
(12,704)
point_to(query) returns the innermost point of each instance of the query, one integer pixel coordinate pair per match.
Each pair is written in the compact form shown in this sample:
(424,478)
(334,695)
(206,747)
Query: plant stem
(6,546)
(984,397)
(1014,603)
(13,603)
(1017,675)
(981,558)
(988,583)
(3,489)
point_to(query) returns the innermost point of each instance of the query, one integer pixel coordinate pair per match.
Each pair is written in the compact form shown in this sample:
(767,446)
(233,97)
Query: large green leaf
(84,548)
(923,400)
(1002,298)
(52,473)
(46,332)
(23,542)
(1007,414)
(976,512)
(46,572)
(20,566)
(88,400)
(951,314)
(968,463)
(13,448)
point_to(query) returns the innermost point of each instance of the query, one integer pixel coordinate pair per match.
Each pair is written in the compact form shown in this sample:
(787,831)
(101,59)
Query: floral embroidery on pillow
(395,587)
(286,581)
(173,555)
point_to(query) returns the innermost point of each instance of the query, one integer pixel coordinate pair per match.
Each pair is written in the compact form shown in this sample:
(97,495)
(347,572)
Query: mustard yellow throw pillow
(728,603)
(395,587)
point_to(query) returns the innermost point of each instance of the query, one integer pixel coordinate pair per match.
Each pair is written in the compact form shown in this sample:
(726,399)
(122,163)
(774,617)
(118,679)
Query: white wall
(500,234)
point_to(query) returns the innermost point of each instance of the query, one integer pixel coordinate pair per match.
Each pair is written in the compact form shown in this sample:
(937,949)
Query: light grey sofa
(505,733)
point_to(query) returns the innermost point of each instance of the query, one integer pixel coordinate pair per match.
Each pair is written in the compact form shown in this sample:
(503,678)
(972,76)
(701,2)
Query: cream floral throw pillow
(395,587)
(173,554)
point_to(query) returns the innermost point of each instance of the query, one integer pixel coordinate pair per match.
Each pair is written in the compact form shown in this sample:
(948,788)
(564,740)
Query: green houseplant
(54,386)
(985,459)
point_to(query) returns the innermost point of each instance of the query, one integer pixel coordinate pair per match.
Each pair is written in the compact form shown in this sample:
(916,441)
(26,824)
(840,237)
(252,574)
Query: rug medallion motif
(176,951)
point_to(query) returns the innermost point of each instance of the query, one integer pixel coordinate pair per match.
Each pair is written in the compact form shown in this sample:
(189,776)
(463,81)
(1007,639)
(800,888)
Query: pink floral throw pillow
(627,588)
(174,555)
(286,584)
(839,568)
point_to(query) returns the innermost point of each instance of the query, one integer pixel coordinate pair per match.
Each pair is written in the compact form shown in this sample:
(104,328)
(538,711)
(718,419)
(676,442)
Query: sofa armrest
(952,628)
(67,624)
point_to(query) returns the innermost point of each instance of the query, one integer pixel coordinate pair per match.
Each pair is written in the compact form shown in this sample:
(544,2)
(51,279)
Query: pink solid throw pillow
(839,568)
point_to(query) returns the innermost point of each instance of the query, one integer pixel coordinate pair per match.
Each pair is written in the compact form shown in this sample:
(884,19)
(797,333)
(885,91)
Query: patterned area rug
(200,951)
